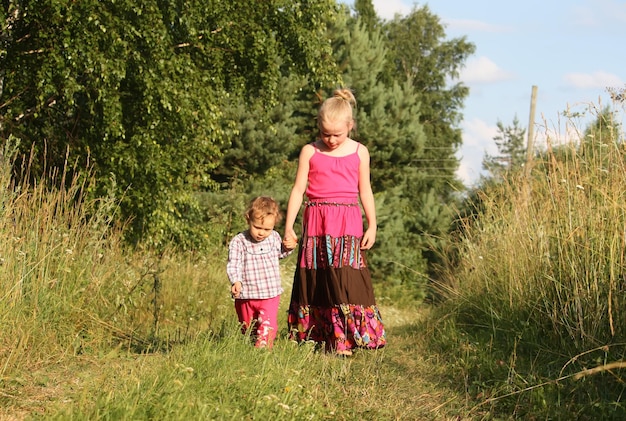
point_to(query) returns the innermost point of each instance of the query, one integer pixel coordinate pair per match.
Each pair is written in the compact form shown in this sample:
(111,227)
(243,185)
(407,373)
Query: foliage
(137,92)
(422,59)
(367,15)
(412,172)
(261,137)
(420,54)
(510,142)
(539,273)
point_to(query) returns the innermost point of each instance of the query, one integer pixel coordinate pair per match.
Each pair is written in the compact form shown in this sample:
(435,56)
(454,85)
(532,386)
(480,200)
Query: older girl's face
(335,133)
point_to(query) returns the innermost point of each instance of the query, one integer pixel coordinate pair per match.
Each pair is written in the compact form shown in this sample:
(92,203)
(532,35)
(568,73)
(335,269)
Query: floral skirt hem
(340,328)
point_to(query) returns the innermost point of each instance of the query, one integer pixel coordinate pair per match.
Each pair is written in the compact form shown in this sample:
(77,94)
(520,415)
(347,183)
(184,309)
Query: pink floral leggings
(260,316)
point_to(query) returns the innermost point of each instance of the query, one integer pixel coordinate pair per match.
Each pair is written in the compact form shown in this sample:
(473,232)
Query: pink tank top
(334,177)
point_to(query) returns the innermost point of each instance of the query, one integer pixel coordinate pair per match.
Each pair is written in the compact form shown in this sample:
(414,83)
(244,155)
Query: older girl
(332,300)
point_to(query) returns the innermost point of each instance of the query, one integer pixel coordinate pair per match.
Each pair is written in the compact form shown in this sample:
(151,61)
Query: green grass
(219,375)
(92,330)
(532,325)
(538,283)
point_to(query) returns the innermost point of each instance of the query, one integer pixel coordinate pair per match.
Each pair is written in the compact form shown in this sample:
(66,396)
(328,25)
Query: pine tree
(419,53)
(388,123)
(511,144)
(367,14)
(423,62)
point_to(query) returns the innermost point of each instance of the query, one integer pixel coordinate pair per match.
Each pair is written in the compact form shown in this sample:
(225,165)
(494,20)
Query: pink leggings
(260,315)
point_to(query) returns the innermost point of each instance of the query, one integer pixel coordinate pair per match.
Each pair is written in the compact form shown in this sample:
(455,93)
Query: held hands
(235,290)
(290,239)
(290,243)
(369,238)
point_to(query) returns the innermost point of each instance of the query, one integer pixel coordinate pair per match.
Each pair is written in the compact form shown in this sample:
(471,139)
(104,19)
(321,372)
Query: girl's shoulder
(362,150)
(359,145)
(307,150)
(310,146)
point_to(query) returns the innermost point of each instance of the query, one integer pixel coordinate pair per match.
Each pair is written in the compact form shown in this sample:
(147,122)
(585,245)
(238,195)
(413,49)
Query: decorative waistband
(326,203)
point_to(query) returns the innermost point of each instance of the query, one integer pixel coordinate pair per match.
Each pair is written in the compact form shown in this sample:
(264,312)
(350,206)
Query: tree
(261,136)
(419,53)
(511,144)
(367,15)
(137,92)
(420,58)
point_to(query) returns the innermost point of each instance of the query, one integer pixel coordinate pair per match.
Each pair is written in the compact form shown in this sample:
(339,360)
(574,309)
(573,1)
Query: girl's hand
(290,239)
(369,238)
(235,290)
(290,243)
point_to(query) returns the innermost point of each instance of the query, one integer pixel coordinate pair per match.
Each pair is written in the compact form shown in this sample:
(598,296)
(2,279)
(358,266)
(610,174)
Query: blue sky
(572,50)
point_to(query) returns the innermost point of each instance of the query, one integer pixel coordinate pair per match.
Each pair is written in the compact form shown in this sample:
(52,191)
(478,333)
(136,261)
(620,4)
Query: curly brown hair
(262,206)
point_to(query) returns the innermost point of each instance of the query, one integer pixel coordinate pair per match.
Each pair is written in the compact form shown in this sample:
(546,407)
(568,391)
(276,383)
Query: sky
(571,50)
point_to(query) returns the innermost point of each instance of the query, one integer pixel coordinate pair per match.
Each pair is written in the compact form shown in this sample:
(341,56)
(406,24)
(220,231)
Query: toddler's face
(261,229)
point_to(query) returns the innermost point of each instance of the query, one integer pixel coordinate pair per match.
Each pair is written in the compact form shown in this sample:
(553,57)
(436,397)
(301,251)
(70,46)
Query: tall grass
(91,329)
(533,328)
(541,275)
(69,287)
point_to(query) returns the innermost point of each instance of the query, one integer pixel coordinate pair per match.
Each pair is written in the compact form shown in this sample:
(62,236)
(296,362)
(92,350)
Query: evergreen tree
(367,14)
(420,54)
(388,123)
(511,144)
(260,136)
(420,59)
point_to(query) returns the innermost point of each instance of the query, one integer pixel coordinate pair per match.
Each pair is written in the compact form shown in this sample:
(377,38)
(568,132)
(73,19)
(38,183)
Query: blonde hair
(261,207)
(339,107)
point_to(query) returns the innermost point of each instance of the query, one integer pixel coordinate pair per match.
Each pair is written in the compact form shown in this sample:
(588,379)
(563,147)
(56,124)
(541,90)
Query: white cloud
(467,174)
(387,9)
(600,13)
(477,133)
(477,140)
(483,70)
(598,79)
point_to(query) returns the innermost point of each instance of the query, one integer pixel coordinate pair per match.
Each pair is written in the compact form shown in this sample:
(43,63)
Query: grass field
(529,325)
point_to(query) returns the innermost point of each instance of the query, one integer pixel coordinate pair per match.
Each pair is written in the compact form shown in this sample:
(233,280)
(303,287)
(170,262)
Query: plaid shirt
(255,265)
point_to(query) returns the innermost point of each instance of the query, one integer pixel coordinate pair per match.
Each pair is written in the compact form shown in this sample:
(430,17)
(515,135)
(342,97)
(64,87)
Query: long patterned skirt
(332,301)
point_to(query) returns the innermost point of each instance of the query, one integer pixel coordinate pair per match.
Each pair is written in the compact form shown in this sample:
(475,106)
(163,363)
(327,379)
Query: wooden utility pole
(530,153)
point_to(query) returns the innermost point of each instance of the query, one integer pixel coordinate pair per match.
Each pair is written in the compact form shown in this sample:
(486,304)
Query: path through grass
(221,377)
